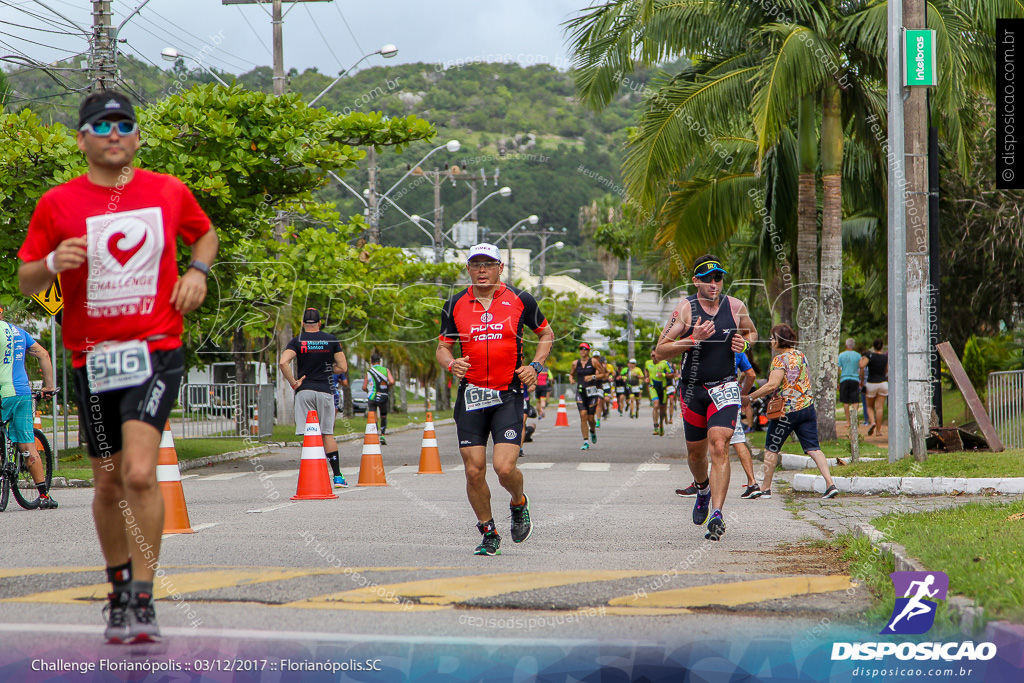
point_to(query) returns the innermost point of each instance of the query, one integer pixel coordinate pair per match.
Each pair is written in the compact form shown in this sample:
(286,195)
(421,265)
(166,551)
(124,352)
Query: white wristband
(50,259)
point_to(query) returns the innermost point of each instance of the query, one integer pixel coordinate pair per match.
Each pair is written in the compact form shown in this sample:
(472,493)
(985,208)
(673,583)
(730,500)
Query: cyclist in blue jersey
(16,397)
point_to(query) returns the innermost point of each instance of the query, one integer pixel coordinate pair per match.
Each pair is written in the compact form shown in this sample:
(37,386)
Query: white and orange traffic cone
(615,403)
(430,458)
(254,425)
(168,474)
(314,473)
(371,466)
(562,419)
(37,423)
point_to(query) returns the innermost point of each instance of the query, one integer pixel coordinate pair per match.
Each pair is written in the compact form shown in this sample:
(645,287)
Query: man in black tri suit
(708,328)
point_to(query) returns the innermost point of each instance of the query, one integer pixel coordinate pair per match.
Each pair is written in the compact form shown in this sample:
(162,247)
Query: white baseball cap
(484,249)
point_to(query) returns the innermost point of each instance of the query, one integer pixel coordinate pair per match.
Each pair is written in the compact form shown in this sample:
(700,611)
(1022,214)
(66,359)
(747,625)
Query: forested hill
(522,123)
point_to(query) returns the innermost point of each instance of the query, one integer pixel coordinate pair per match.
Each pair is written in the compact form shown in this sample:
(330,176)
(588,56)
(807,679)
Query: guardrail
(1006,406)
(212,411)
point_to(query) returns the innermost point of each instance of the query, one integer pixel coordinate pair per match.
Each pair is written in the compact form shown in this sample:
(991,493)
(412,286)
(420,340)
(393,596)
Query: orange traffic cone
(37,423)
(615,403)
(430,459)
(254,425)
(168,474)
(314,473)
(562,419)
(371,467)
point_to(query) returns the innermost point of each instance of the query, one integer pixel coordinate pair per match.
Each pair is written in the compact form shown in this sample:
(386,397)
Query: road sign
(919,58)
(52,299)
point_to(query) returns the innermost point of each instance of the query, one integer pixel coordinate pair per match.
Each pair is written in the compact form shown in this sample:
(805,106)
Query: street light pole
(531,219)
(387,52)
(171,54)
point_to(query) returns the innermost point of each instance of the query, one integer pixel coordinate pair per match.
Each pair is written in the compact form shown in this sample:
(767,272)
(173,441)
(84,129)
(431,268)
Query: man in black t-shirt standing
(317,356)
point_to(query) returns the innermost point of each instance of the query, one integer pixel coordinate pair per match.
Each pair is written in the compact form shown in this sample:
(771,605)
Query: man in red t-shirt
(486,320)
(112,236)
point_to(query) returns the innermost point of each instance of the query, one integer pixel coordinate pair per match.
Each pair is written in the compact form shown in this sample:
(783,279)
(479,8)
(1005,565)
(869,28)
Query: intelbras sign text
(919,58)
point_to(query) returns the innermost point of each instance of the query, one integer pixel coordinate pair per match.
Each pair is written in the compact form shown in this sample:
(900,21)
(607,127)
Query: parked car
(360,401)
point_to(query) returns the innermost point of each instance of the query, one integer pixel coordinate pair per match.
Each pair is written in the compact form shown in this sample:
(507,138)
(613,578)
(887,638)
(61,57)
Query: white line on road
(197,527)
(536,465)
(594,466)
(273,507)
(188,476)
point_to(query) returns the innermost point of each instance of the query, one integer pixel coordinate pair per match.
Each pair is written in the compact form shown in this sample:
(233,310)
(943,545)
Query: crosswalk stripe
(594,466)
(447,591)
(737,593)
(536,465)
(653,467)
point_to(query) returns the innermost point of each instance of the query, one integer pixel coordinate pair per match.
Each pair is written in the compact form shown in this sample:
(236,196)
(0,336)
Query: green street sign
(919,58)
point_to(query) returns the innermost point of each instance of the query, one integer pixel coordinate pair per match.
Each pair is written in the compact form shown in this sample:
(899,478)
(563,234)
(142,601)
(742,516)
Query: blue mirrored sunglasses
(104,128)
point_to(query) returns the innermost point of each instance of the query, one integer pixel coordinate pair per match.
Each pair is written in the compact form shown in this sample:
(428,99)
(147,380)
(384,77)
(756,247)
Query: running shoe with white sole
(688,492)
(749,491)
(491,542)
(116,612)
(142,626)
(831,492)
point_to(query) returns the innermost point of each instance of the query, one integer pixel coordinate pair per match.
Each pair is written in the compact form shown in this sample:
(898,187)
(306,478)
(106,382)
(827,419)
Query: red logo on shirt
(123,256)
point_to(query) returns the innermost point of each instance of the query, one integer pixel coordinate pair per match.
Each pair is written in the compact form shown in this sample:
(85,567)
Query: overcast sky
(328,35)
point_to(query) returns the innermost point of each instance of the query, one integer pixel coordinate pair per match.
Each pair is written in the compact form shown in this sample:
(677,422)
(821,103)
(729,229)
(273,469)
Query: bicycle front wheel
(5,482)
(24,486)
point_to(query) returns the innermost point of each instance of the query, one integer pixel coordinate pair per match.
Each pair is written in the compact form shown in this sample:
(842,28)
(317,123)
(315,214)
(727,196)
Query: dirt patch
(809,558)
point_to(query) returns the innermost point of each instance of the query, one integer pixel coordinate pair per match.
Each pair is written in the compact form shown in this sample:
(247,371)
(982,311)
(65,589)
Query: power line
(355,40)
(223,65)
(40,17)
(254,32)
(63,32)
(317,26)
(220,49)
(33,42)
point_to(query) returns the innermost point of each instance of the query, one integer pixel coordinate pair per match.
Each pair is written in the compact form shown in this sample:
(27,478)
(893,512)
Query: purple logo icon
(916,593)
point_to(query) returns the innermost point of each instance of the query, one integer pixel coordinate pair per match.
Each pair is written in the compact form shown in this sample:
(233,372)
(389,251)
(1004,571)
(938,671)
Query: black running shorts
(585,401)
(101,415)
(503,423)
(700,414)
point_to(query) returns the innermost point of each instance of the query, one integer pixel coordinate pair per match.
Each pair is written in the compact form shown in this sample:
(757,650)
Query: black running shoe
(716,527)
(688,492)
(116,613)
(521,525)
(47,503)
(831,492)
(702,507)
(491,542)
(142,626)
(749,491)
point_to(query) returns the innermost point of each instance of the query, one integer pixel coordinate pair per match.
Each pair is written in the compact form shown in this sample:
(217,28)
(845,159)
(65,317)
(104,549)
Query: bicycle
(14,473)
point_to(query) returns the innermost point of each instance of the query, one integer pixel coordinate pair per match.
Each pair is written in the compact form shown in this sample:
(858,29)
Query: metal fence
(1006,406)
(225,411)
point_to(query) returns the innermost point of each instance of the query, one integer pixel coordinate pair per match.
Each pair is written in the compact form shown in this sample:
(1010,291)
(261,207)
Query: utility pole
(899,440)
(915,117)
(630,330)
(277,23)
(102,64)
(371,197)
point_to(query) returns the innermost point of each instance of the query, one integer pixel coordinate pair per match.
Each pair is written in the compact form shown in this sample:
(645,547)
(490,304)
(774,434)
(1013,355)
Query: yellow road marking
(738,593)
(35,571)
(450,590)
(183,583)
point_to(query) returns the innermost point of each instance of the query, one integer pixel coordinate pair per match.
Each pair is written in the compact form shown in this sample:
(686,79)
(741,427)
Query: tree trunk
(807,232)
(831,301)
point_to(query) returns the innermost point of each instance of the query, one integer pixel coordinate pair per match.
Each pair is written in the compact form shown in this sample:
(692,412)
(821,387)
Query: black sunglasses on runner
(711,277)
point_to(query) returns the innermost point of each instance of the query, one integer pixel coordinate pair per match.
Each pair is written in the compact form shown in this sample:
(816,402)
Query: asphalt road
(614,562)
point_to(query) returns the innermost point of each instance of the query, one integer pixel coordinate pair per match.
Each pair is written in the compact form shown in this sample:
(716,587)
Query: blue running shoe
(716,527)
(702,507)
(340,483)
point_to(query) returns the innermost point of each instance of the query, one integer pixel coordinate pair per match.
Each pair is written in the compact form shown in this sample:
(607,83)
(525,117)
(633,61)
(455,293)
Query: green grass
(960,464)
(980,546)
(839,448)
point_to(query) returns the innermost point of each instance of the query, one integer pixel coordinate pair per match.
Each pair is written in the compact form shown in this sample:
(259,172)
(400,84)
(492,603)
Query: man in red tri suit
(112,235)
(487,319)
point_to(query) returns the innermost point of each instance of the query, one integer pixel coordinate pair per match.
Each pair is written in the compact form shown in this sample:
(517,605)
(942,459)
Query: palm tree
(768,68)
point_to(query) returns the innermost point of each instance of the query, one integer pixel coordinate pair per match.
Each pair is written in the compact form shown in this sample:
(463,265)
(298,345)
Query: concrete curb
(967,613)
(911,486)
(185,465)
